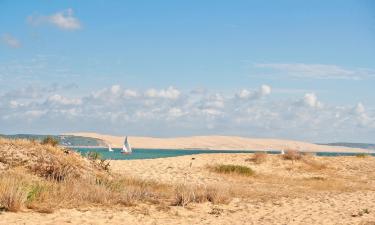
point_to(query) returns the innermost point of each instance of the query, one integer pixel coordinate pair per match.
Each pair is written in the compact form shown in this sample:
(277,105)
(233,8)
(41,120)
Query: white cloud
(360,108)
(130,93)
(10,41)
(173,112)
(263,91)
(61,100)
(169,93)
(311,100)
(64,20)
(315,71)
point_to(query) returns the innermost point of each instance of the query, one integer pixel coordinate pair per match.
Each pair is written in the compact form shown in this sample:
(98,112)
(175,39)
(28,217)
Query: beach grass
(232,169)
(44,177)
(292,154)
(258,157)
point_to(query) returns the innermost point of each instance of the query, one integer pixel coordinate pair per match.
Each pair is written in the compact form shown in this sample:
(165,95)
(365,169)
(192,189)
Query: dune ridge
(216,143)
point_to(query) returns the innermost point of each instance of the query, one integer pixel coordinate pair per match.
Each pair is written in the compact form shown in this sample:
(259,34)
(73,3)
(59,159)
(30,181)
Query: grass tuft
(259,157)
(49,140)
(362,155)
(233,169)
(13,192)
(292,155)
(186,194)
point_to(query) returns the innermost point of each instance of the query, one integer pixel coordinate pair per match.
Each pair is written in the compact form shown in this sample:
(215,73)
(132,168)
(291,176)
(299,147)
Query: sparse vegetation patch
(232,169)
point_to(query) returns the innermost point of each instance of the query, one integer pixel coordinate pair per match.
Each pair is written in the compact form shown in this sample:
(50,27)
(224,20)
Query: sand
(281,192)
(217,143)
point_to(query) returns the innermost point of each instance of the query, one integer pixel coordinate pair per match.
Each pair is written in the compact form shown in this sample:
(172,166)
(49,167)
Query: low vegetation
(258,157)
(49,140)
(232,169)
(293,155)
(185,195)
(43,177)
(362,155)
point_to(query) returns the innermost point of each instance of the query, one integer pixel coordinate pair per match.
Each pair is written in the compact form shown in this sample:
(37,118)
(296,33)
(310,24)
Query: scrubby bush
(233,169)
(259,157)
(361,155)
(292,155)
(49,140)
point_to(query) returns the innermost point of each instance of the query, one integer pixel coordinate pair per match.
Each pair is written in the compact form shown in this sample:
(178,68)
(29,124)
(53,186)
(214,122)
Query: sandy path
(324,209)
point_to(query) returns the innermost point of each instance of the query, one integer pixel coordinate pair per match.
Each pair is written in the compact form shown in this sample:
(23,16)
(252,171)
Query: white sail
(126,148)
(110,148)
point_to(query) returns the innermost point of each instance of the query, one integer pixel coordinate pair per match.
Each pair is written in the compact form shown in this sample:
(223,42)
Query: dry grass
(47,161)
(293,155)
(46,177)
(49,140)
(185,194)
(13,193)
(232,169)
(314,164)
(362,155)
(259,157)
(20,191)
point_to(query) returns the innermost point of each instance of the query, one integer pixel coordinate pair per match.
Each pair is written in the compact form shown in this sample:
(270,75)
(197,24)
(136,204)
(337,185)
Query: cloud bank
(173,112)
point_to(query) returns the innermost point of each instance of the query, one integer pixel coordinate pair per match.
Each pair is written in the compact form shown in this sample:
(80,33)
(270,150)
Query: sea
(163,153)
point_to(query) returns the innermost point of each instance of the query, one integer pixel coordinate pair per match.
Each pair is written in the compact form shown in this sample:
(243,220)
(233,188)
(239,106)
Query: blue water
(162,153)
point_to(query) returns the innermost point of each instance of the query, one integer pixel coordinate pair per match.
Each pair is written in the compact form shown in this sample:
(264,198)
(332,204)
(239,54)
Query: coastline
(228,143)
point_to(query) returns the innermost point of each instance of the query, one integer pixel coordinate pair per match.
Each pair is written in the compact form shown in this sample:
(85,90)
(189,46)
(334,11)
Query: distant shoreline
(225,150)
(230,143)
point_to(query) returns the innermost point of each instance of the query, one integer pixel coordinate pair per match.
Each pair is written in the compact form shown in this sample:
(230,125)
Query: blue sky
(273,68)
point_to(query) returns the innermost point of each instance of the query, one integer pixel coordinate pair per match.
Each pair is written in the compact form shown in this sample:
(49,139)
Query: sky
(301,70)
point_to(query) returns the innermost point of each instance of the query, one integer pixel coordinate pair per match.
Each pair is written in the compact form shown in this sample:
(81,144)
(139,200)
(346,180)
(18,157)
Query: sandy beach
(323,190)
(216,143)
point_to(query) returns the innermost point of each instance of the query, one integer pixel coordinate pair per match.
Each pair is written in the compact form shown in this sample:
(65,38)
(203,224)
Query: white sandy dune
(282,192)
(217,143)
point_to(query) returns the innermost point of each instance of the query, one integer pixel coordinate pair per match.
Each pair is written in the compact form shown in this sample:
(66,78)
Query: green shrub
(361,155)
(94,156)
(233,169)
(49,140)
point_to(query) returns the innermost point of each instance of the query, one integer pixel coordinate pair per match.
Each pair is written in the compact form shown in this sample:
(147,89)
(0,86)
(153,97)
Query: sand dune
(282,192)
(217,143)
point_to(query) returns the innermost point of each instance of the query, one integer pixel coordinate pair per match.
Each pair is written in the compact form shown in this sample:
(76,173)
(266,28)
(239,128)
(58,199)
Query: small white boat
(126,148)
(110,148)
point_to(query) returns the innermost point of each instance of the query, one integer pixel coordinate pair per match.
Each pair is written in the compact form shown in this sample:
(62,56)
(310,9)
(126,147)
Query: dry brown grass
(314,164)
(46,177)
(13,194)
(20,191)
(293,155)
(186,194)
(259,157)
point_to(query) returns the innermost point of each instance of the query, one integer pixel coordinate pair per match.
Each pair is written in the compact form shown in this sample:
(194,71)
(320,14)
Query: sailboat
(282,152)
(126,148)
(110,148)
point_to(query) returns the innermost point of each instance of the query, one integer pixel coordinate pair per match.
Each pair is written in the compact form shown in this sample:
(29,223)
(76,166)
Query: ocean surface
(163,153)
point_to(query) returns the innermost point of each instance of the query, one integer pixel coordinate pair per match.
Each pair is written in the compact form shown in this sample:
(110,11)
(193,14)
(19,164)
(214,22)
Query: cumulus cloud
(61,100)
(263,91)
(315,71)
(10,41)
(169,93)
(311,100)
(64,20)
(170,112)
